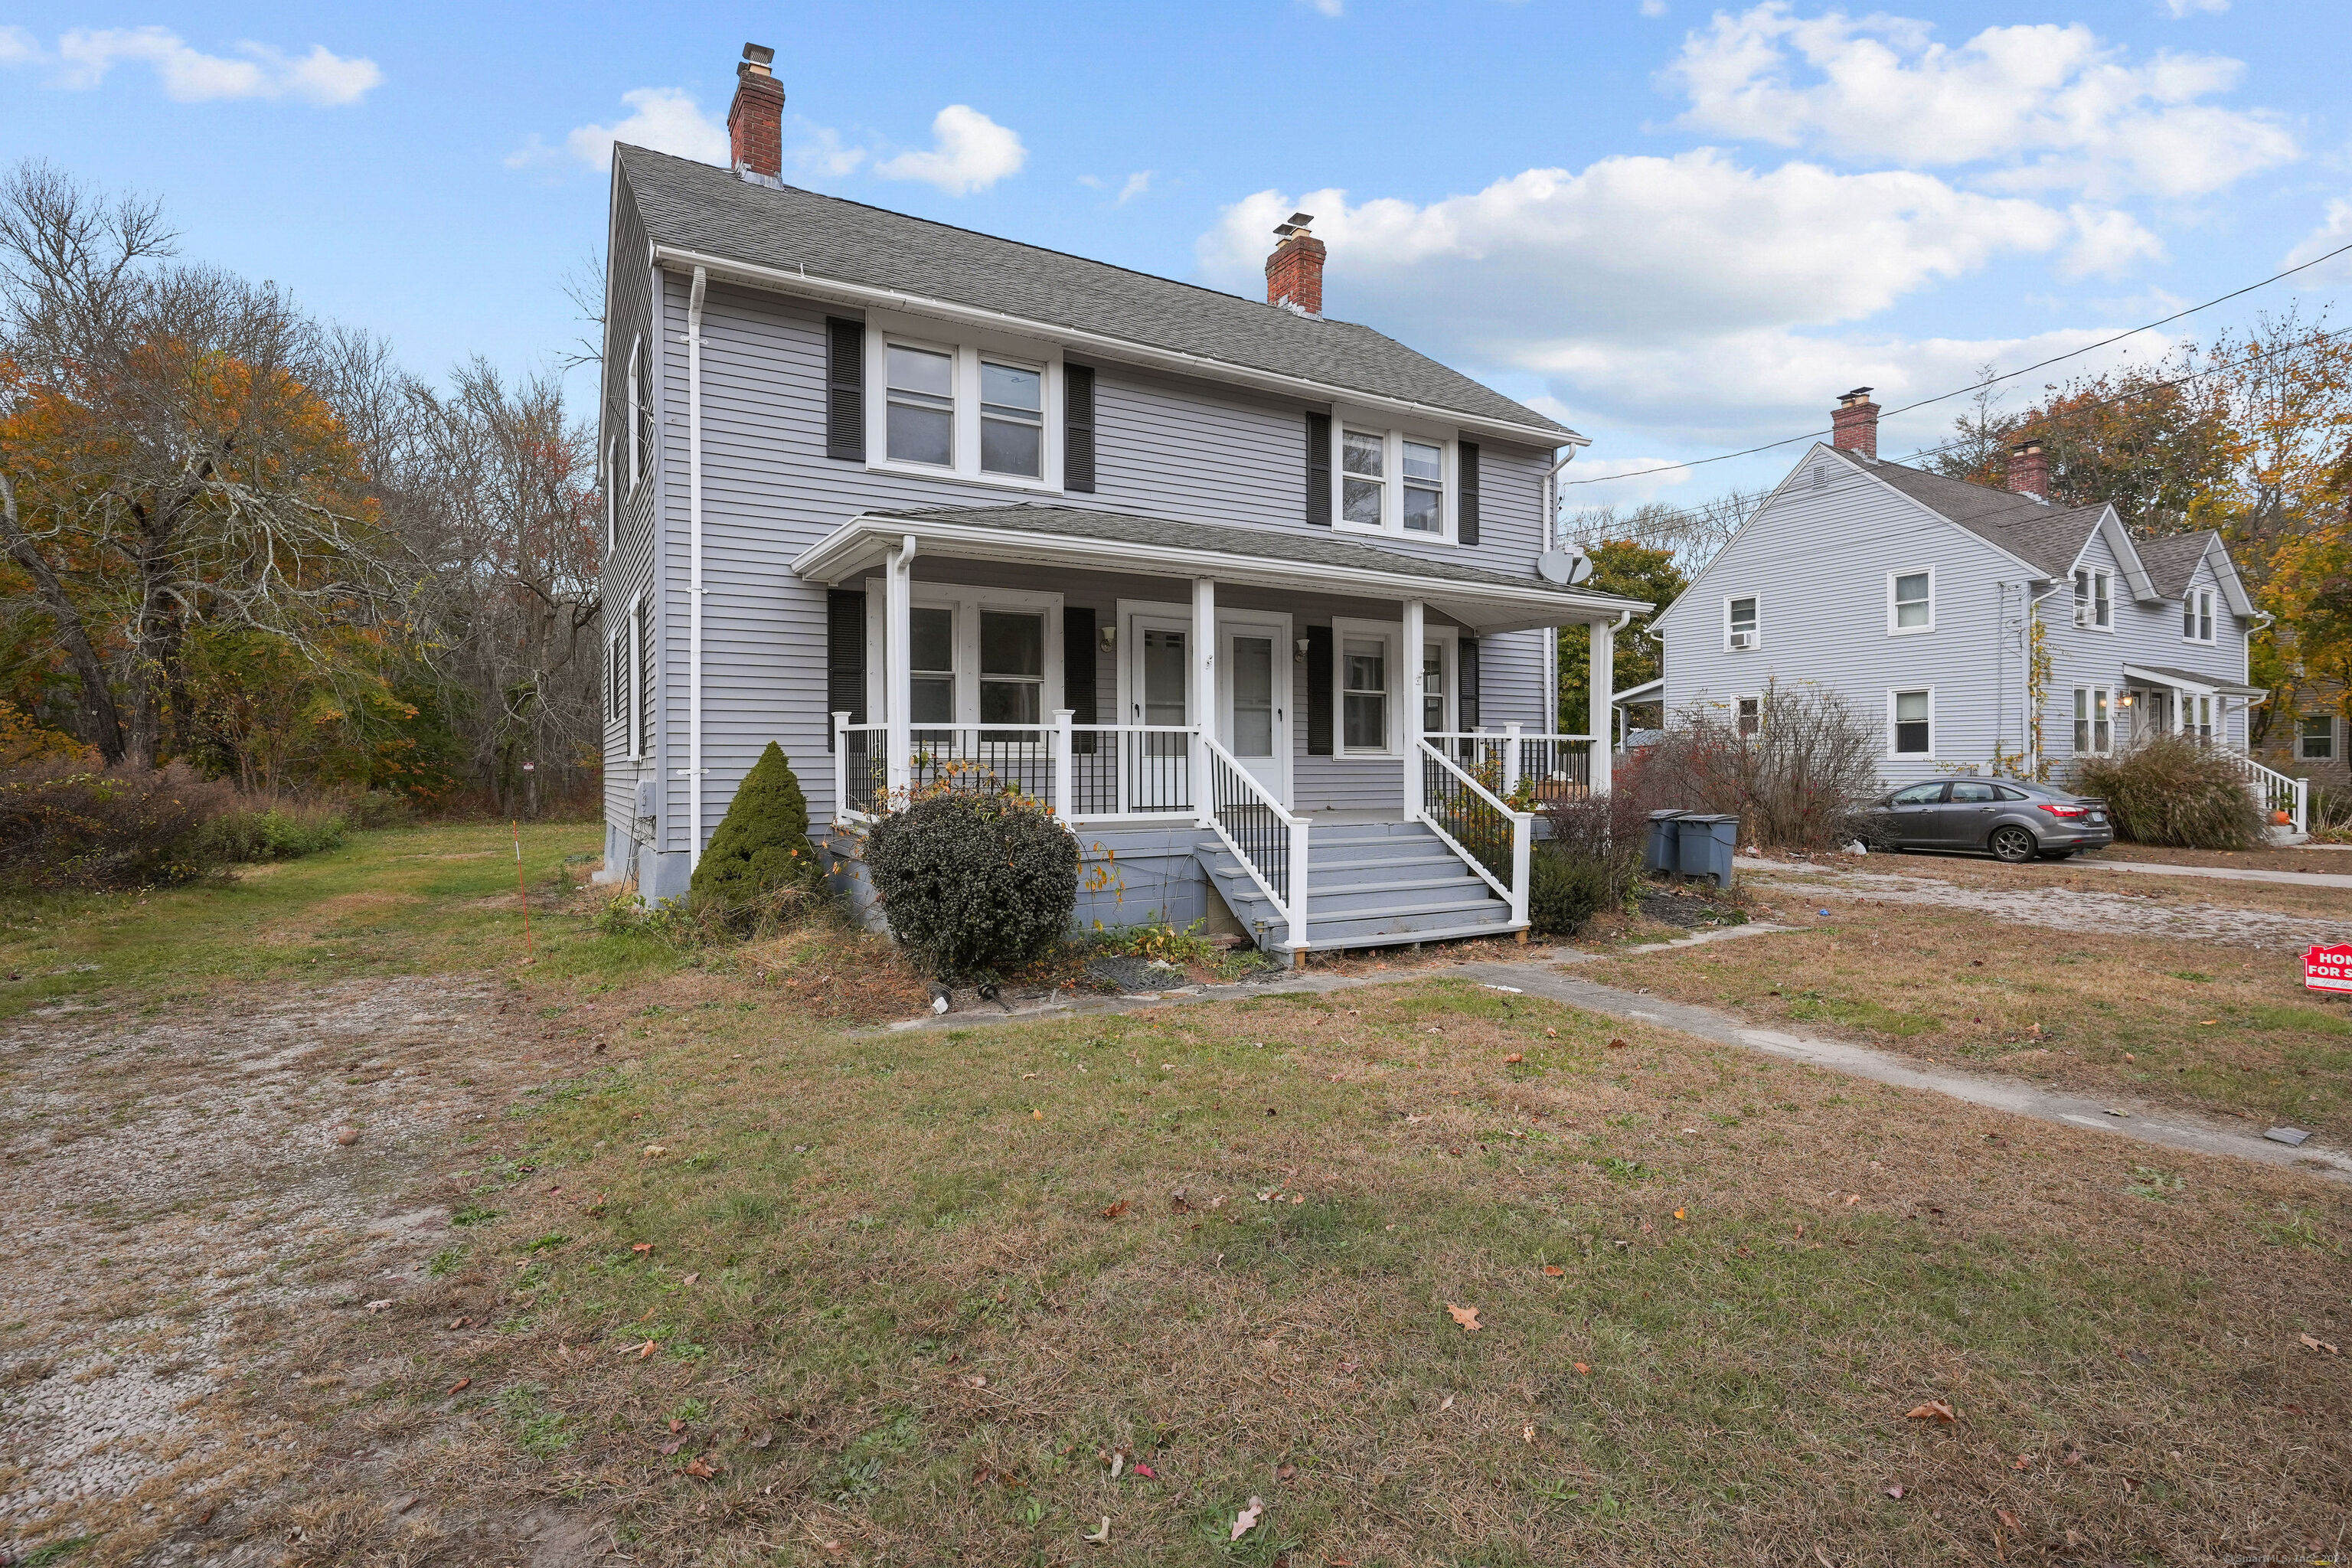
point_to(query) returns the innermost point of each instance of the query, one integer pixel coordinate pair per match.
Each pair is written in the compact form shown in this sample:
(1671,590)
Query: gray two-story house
(1257,600)
(1972,628)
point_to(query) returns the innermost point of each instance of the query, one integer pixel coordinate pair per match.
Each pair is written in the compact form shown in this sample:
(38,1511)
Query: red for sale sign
(2328,968)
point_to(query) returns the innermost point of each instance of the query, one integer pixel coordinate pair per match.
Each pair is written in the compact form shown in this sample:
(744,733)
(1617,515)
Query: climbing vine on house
(2033,763)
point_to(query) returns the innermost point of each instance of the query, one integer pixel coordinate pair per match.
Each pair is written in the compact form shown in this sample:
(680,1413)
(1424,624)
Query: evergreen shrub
(761,847)
(974,884)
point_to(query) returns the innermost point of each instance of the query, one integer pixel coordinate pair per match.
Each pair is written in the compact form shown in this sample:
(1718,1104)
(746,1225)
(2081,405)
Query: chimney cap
(757,58)
(2026,447)
(1859,395)
(1298,225)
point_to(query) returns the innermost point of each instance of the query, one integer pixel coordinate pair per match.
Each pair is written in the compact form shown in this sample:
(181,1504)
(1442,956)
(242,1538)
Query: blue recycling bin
(1705,845)
(1662,854)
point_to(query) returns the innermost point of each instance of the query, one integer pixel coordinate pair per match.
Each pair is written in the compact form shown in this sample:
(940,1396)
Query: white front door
(1254,698)
(1159,672)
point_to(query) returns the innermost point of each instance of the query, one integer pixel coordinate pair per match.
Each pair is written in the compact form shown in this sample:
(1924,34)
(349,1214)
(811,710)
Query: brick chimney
(1854,425)
(1294,273)
(755,120)
(2029,471)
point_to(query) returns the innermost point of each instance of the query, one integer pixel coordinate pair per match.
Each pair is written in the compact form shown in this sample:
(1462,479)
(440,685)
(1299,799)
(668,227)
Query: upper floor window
(920,421)
(1392,481)
(640,443)
(1911,603)
(1739,622)
(1012,419)
(2314,739)
(612,495)
(2095,603)
(983,409)
(2197,615)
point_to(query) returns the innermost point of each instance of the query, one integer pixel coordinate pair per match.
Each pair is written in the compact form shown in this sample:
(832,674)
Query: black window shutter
(1318,479)
(1319,691)
(845,389)
(845,657)
(1078,431)
(1466,657)
(1078,687)
(1469,510)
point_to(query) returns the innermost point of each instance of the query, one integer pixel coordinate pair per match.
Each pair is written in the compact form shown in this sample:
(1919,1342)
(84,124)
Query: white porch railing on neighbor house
(2275,792)
(1492,839)
(1553,766)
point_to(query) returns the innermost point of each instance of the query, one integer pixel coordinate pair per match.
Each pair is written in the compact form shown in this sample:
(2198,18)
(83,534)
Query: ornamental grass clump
(975,885)
(2174,790)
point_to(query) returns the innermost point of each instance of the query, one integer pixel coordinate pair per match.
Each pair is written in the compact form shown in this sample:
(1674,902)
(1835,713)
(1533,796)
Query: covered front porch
(1346,742)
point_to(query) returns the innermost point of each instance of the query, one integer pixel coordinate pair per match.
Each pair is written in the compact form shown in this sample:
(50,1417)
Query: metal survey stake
(523,891)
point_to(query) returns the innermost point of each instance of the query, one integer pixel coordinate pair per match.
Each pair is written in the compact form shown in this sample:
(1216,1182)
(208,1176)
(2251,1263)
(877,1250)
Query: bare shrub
(2174,790)
(1795,782)
(68,825)
(1590,859)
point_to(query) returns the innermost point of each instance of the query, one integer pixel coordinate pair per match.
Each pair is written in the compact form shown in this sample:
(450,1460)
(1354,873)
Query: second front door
(1254,698)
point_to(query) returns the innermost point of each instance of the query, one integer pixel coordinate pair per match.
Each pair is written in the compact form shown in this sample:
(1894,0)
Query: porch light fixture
(1302,648)
(1110,638)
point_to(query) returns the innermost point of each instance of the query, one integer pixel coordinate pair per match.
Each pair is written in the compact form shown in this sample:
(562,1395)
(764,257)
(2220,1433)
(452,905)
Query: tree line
(235,535)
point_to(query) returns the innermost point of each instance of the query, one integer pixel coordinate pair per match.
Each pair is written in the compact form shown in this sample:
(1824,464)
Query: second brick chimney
(755,120)
(1294,273)
(2029,471)
(1854,425)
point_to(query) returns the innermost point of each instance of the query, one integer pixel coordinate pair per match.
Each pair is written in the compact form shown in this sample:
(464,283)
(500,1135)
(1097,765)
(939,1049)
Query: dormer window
(2095,603)
(2197,615)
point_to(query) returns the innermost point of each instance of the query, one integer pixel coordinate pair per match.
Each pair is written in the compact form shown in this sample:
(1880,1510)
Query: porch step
(1369,885)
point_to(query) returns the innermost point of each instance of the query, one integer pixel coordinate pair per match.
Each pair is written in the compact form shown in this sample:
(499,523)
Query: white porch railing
(2275,793)
(1493,840)
(1551,766)
(1268,841)
(1087,773)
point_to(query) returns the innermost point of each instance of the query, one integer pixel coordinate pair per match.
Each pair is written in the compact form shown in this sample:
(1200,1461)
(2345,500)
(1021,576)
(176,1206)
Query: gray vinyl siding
(2144,633)
(1166,447)
(1818,561)
(629,568)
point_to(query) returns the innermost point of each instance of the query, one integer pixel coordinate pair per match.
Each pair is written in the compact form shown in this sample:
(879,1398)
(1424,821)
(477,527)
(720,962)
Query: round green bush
(762,844)
(974,884)
(1565,891)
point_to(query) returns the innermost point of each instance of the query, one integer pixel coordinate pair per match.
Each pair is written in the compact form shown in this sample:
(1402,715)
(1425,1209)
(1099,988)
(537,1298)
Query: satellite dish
(1565,567)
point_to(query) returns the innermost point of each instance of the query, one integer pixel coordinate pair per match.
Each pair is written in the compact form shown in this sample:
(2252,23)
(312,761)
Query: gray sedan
(2009,820)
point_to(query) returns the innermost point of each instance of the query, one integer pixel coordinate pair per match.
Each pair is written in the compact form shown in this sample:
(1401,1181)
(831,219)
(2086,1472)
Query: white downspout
(2031,753)
(694,567)
(1551,502)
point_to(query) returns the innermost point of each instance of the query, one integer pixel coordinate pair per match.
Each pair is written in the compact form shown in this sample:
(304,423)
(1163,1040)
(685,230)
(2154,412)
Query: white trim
(965,351)
(819,288)
(2089,581)
(1398,689)
(638,633)
(1248,623)
(1892,606)
(967,605)
(1893,756)
(2197,612)
(1755,632)
(612,495)
(1394,435)
(1449,671)
(638,461)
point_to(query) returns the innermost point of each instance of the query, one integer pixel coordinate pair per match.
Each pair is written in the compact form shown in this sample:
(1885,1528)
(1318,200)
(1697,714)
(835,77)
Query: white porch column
(1414,633)
(1062,794)
(1200,696)
(1603,698)
(898,653)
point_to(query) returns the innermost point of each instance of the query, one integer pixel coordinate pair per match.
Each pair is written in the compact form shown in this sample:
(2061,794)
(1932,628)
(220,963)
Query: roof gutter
(799,281)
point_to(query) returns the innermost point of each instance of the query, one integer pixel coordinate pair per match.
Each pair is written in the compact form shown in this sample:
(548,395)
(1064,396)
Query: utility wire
(1977,386)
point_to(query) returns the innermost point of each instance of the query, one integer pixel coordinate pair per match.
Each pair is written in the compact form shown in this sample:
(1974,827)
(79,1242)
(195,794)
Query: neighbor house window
(1012,419)
(1914,713)
(1913,603)
(1364,694)
(1750,711)
(2197,616)
(2314,739)
(1390,482)
(2094,728)
(1740,622)
(920,394)
(2094,603)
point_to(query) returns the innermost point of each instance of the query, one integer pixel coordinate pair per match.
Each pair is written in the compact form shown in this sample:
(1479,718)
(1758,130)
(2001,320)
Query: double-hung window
(2094,728)
(1363,478)
(1750,717)
(640,448)
(985,409)
(617,676)
(1912,719)
(2094,603)
(2197,615)
(2314,738)
(974,657)
(2197,713)
(920,390)
(1739,622)
(641,681)
(1012,419)
(1011,667)
(930,665)
(1425,488)
(1393,482)
(1911,603)
(1364,694)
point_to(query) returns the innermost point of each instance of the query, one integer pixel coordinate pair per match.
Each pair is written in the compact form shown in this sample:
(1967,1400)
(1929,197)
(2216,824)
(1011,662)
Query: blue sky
(1680,228)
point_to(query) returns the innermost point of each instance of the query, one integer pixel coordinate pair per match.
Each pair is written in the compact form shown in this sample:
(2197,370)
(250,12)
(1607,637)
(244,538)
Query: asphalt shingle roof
(1123,528)
(2172,560)
(699,207)
(2047,537)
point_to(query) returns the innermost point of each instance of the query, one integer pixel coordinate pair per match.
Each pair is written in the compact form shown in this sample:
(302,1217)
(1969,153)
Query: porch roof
(2212,685)
(1483,600)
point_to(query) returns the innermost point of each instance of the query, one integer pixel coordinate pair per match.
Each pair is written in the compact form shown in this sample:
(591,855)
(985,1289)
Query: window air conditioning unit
(1742,640)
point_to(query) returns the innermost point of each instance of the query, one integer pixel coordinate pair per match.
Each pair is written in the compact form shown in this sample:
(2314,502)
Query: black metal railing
(1125,771)
(1555,767)
(1474,822)
(1256,829)
(998,760)
(864,775)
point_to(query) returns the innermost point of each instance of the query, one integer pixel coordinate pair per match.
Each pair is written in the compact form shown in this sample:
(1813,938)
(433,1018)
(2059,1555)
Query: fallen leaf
(1554,1269)
(642,1247)
(1515,1056)
(1036,1116)
(1894,1492)
(1527,1432)
(692,1279)
(765,1440)
(1680,1214)
(1933,1410)
(1445,1404)
(1247,1520)
(379,1306)
(672,1447)
(1582,1370)
(461,1385)
(2077,1538)
(2024,1462)
(457,1322)
(2007,1520)
(1101,1537)
(1115,1210)
(1616,1045)
(1852,1199)
(702,1468)
(976,1380)
(2131,1484)
(2310,1343)
(647,1349)
(1028,1075)
(654,1151)
(1117,1462)
(1147,1472)
(1285,1470)
(676,1427)
(1466,1315)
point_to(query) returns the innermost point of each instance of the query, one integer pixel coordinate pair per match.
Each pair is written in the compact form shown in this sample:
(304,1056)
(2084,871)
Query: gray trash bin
(1704,846)
(1663,856)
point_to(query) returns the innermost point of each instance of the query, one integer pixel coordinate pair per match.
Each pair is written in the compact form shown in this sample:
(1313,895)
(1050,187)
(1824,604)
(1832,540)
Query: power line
(1975,386)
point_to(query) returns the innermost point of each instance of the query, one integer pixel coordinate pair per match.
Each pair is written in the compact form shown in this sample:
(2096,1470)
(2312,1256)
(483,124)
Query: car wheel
(2014,844)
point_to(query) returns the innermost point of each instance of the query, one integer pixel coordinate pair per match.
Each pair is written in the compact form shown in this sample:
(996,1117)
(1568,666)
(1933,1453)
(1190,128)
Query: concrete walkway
(1545,974)
(2225,873)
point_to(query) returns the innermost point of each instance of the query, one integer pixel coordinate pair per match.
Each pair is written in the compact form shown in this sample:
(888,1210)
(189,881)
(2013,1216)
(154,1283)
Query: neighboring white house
(1919,599)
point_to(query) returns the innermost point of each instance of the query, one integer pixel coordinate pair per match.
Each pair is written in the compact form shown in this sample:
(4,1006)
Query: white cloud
(2334,233)
(665,119)
(822,154)
(1650,475)
(85,57)
(1329,7)
(2051,106)
(2176,9)
(1136,184)
(1654,7)
(969,152)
